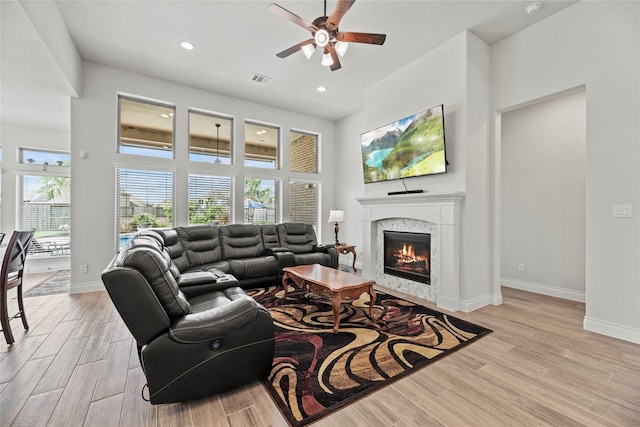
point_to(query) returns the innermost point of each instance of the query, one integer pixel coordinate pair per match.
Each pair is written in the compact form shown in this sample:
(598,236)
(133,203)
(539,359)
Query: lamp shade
(336,215)
(308,50)
(327,60)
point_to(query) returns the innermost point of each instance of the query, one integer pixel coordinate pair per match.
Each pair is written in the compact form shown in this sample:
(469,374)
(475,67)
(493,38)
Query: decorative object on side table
(336,216)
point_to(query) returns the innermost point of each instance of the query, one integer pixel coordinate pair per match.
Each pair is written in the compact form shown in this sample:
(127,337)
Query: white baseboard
(612,330)
(539,288)
(79,288)
(46,264)
(449,304)
(468,306)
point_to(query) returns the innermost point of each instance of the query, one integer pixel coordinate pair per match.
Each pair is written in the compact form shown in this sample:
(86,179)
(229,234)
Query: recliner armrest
(196,278)
(216,323)
(323,248)
(273,251)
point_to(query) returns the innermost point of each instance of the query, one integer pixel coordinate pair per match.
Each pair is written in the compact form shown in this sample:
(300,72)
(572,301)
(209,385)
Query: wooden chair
(11,277)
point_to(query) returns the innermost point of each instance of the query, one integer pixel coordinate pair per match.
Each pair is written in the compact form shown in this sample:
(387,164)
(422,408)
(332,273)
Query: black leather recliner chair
(189,347)
(300,239)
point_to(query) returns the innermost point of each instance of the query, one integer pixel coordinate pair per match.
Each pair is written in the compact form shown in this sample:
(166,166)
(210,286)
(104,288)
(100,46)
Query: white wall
(596,44)
(543,197)
(455,74)
(94,130)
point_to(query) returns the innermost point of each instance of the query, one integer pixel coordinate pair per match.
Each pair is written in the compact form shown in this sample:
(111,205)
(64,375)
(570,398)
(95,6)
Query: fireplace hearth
(407,255)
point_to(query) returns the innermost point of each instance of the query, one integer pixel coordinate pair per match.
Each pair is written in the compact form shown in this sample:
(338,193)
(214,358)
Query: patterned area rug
(316,371)
(56,284)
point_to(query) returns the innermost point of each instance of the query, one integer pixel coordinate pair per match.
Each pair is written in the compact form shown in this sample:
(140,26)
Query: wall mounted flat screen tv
(413,146)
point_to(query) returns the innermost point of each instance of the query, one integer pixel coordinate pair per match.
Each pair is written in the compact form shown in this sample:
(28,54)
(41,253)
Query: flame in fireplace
(406,255)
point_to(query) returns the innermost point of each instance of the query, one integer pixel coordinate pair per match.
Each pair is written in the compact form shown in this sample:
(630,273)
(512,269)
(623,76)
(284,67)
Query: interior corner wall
(595,44)
(94,131)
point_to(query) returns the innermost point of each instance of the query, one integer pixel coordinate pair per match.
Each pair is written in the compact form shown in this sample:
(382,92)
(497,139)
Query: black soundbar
(394,193)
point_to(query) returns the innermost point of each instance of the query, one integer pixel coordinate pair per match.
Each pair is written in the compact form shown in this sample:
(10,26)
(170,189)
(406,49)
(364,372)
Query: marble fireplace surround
(434,213)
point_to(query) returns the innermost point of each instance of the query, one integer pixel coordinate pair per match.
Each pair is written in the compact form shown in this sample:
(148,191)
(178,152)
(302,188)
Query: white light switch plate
(622,211)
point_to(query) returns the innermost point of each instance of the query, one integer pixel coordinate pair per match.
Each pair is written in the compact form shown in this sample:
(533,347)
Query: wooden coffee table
(324,280)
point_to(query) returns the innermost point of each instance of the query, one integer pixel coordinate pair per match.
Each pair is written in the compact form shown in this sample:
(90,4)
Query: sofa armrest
(331,250)
(273,251)
(196,278)
(216,323)
(285,258)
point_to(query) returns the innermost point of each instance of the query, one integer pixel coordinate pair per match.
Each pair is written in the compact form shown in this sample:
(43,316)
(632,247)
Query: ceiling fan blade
(369,38)
(279,10)
(336,61)
(294,49)
(341,8)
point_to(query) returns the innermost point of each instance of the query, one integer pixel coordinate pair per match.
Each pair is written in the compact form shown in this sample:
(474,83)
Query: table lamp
(336,215)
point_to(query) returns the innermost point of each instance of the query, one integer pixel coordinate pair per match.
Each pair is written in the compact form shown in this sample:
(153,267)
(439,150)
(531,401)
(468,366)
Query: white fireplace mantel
(442,210)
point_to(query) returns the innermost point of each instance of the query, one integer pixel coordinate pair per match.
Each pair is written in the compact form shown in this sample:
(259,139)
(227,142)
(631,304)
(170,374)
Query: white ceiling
(235,39)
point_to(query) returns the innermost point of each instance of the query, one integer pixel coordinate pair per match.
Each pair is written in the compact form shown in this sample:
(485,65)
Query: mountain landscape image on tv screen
(413,146)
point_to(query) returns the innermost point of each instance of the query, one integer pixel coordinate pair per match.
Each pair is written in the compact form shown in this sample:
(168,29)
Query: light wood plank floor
(77,365)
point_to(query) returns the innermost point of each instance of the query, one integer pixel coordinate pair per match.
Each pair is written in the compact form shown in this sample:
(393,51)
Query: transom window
(145,128)
(261,145)
(45,157)
(207,142)
(303,152)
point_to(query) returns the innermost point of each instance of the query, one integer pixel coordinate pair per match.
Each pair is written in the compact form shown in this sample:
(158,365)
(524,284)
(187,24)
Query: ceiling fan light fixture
(308,50)
(322,37)
(327,60)
(341,48)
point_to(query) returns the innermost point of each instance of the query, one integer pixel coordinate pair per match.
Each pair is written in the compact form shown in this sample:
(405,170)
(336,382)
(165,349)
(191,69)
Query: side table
(345,249)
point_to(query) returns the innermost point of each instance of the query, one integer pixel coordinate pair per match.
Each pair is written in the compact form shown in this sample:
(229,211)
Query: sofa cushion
(241,241)
(251,268)
(154,265)
(201,243)
(175,249)
(297,237)
(270,236)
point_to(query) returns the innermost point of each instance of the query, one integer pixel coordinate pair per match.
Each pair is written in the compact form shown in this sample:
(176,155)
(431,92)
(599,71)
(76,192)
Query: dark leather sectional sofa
(180,293)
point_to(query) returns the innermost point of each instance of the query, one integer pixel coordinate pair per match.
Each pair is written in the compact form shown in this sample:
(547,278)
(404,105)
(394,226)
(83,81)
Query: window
(209,199)
(261,201)
(204,143)
(45,205)
(144,199)
(42,157)
(261,146)
(303,202)
(303,152)
(145,128)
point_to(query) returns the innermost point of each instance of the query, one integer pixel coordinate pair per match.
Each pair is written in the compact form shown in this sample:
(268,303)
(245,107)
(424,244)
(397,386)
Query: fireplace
(408,255)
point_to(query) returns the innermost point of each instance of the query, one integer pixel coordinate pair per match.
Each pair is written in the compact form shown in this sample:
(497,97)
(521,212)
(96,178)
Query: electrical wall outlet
(521,266)
(84,268)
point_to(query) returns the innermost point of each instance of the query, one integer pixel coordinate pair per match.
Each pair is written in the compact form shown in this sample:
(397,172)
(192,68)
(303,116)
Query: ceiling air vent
(259,78)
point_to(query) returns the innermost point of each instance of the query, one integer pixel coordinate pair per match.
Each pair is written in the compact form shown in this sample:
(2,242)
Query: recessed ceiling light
(321,89)
(187,45)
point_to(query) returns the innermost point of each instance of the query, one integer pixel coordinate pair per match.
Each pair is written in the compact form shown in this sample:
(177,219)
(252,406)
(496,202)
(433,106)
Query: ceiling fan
(326,34)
